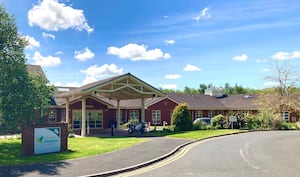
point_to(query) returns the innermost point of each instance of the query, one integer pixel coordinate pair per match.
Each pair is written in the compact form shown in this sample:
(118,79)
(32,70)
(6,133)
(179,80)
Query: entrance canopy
(122,87)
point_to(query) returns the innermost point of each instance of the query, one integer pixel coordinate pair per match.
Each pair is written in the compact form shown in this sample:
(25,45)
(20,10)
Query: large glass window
(156,117)
(94,119)
(76,119)
(134,114)
(52,116)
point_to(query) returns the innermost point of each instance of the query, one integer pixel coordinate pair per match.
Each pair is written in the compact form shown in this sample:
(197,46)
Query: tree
(181,119)
(43,92)
(15,87)
(283,96)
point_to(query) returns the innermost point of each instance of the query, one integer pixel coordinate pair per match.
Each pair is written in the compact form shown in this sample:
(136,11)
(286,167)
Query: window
(156,120)
(94,119)
(199,114)
(286,116)
(134,114)
(211,114)
(76,119)
(52,116)
(63,115)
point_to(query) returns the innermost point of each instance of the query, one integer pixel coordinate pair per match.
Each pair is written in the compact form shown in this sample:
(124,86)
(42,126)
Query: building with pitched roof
(116,100)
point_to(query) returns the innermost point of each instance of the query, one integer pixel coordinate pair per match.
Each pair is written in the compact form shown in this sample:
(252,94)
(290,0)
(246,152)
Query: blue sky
(167,43)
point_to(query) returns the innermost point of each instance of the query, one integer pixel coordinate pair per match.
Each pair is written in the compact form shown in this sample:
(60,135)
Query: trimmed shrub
(181,119)
(199,126)
(252,122)
(218,121)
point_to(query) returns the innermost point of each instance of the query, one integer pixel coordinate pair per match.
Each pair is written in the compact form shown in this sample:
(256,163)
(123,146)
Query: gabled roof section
(122,87)
(36,70)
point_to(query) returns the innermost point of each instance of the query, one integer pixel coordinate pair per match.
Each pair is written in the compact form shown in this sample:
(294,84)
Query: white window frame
(286,116)
(63,115)
(211,114)
(52,115)
(134,114)
(198,114)
(156,117)
(91,119)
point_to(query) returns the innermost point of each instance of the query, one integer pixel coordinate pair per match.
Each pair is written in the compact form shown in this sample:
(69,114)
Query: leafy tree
(227,89)
(284,96)
(15,87)
(43,92)
(181,119)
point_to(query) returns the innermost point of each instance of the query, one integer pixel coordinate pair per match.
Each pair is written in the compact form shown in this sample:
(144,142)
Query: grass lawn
(200,134)
(82,147)
(78,147)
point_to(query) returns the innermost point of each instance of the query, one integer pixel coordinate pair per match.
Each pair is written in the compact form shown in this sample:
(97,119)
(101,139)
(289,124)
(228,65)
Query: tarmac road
(261,154)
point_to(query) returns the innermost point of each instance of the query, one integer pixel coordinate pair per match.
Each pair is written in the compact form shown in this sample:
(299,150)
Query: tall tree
(15,87)
(284,96)
(202,88)
(43,92)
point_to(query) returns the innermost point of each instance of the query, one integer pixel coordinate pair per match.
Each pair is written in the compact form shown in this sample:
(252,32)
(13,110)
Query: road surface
(259,154)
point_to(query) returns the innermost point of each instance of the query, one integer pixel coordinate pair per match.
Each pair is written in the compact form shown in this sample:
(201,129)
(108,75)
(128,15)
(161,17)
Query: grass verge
(78,147)
(201,134)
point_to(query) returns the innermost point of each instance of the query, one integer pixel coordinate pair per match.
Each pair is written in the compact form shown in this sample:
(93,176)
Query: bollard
(112,130)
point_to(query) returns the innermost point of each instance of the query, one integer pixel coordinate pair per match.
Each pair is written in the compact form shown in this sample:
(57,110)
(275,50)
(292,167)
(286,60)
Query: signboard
(232,119)
(47,140)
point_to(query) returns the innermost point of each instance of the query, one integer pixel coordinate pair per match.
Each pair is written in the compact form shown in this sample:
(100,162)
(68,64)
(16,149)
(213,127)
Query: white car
(204,120)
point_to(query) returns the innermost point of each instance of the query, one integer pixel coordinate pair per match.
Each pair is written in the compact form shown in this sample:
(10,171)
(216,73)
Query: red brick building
(113,101)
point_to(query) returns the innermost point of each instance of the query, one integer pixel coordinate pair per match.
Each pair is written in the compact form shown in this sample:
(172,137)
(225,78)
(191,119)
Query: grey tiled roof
(239,102)
(195,101)
(36,70)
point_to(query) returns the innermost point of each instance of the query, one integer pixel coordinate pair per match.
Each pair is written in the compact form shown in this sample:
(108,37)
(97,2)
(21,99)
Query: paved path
(134,155)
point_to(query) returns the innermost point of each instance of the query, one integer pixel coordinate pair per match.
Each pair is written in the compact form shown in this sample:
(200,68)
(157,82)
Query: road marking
(182,153)
(244,153)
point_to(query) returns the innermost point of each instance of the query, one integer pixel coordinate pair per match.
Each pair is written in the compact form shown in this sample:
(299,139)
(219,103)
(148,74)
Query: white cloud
(266,70)
(261,61)
(32,43)
(84,55)
(169,86)
(137,52)
(190,67)
(54,16)
(286,55)
(95,72)
(243,57)
(203,15)
(71,84)
(45,61)
(172,76)
(165,16)
(271,84)
(48,35)
(58,53)
(169,42)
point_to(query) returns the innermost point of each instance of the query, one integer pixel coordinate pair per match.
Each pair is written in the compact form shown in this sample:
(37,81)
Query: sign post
(232,119)
(44,138)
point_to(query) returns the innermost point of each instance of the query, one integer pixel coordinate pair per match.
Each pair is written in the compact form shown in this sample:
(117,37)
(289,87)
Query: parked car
(203,120)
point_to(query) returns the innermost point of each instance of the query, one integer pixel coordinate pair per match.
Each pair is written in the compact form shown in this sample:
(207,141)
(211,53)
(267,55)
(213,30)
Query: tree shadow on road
(43,169)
